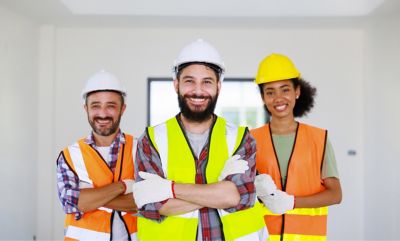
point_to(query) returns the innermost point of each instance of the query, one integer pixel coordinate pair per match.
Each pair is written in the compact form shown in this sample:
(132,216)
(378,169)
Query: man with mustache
(95,174)
(195,172)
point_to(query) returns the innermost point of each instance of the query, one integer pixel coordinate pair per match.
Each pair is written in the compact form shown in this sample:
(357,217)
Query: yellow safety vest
(179,165)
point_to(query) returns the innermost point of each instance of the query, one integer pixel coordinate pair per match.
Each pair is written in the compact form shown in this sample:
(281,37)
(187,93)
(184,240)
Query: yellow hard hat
(276,67)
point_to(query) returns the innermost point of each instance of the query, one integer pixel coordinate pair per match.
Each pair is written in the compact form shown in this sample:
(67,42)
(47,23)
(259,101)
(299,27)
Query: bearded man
(95,174)
(195,172)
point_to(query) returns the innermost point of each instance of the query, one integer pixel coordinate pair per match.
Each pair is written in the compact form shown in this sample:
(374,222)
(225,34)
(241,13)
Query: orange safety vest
(89,166)
(303,178)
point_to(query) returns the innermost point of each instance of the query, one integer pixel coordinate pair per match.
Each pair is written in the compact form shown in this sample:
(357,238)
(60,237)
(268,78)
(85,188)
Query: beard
(103,131)
(197,115)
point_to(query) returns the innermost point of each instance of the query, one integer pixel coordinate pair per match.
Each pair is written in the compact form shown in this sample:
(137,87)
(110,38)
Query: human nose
(197,88)
(102,112)
(279,94)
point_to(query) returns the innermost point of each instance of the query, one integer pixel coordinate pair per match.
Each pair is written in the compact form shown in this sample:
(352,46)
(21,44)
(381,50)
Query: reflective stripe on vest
(77,160)
(90,167)
(303,211)
(296,237)
(86,234)
(77,233)
(241,225)
(303,178)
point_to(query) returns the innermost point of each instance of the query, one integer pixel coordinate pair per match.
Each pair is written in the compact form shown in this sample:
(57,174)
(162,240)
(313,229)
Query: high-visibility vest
(90,167)
(178,164)
(303,178)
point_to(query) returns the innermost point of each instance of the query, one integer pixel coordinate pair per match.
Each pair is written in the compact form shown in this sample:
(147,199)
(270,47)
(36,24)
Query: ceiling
(223,8)
(155,12)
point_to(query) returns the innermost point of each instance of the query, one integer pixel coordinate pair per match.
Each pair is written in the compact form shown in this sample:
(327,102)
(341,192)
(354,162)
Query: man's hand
(265,186)
(233,165)
(279,202)
(128,185)
(151,189)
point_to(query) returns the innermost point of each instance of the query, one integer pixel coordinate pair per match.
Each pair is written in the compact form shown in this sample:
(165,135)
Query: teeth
(103,121)
(280,107)
(197,99)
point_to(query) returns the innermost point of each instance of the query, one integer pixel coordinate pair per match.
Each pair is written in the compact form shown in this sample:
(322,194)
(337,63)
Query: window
(239,102)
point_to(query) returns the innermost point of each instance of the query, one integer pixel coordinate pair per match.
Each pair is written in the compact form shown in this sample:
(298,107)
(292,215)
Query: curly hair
(305,102)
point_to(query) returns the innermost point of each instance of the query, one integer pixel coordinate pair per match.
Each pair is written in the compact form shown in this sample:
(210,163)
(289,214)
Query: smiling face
(197,89)
(280,98)
(104,110)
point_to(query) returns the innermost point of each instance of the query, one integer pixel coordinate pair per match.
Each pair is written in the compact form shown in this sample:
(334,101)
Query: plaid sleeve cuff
(246,191)
(152,211)
(245,182)
(78,215)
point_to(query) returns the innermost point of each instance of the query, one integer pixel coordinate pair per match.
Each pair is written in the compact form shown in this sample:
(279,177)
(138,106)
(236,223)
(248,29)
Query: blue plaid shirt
(68,182)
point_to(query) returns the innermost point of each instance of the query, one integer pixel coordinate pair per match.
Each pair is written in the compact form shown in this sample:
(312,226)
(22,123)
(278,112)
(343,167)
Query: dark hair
(122,96)
(217,70)
(305,102)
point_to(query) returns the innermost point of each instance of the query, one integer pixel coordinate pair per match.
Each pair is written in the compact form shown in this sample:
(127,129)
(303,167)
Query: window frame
(165,79)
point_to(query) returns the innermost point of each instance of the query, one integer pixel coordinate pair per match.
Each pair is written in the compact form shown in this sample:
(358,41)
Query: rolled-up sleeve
(148,160)
(68,188)
(245,182)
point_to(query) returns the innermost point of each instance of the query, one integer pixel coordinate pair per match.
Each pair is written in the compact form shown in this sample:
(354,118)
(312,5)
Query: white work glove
(128,185)
(233,165)
(265,186)
(151,189)
(279,202)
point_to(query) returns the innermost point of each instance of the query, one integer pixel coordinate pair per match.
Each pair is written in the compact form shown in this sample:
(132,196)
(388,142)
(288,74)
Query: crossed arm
(109,196)
(190,197)
(280,202)
(331,195)
(75,199)
(234,192)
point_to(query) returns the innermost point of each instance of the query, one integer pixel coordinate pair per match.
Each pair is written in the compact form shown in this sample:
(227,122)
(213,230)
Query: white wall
(18,125)
(330,58)
(42,72)
(45,139)
(382,129)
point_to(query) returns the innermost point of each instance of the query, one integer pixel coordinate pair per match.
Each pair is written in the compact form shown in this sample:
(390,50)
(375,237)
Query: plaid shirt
(68,182)
(148,160)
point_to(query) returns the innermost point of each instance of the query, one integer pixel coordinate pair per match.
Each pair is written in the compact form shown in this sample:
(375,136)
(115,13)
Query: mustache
(103,118)
(196,96)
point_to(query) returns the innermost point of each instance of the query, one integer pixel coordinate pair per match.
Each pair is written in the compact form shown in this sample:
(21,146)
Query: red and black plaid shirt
(148,160)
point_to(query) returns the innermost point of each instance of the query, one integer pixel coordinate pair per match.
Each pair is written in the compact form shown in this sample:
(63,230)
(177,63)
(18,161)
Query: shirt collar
(120,138)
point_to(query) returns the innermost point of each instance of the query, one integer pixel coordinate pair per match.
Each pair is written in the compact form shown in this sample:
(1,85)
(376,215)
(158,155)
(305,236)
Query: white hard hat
(103,80)
(199,51)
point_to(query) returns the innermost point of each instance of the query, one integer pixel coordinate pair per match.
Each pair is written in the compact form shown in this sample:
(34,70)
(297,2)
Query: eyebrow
(187,77)
(192,77)
(108,102)
(280,87)
(94,102)
(209,78)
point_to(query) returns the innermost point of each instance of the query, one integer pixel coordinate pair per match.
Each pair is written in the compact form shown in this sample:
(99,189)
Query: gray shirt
(197,141)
